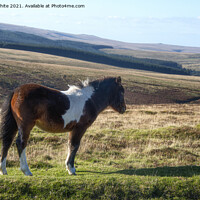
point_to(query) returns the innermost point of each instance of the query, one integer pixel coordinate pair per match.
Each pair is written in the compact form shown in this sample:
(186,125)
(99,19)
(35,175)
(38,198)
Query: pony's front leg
(72,149)
(73,145)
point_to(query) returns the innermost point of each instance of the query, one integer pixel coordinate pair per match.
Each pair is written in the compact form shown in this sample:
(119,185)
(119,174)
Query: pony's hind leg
(8,130)
(6,143)
(21,142)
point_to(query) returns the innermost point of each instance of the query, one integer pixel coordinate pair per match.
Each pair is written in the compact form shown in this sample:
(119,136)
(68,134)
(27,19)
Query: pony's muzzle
(122,109)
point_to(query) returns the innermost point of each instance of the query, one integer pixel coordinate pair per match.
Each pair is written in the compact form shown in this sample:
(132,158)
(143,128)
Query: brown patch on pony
(40,105)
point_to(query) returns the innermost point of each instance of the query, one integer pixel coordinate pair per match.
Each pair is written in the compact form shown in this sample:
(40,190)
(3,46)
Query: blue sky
(138,21)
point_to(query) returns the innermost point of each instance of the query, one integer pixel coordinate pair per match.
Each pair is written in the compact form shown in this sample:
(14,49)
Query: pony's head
(117,101)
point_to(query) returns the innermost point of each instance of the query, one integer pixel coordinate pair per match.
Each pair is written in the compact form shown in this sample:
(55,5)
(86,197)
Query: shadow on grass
(180,171)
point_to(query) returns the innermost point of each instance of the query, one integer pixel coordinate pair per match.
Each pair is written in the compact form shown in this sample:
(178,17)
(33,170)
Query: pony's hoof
(71,170)
(71,174)
(3,173)
(27,172)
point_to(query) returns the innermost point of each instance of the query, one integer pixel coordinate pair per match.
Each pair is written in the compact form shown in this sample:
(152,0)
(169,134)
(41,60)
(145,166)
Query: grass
(117,159)
(106,186)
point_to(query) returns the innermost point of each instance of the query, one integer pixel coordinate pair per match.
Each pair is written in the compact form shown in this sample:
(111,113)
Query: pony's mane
(98,82)
(85,83)
(95,83)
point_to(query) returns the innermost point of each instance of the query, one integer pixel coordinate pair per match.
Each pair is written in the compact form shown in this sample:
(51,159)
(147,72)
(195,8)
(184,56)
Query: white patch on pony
(77,98)
(23,164)
(3,167)
(68,155)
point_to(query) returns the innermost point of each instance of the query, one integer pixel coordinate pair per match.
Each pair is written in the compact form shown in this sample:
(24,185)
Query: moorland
(150,152)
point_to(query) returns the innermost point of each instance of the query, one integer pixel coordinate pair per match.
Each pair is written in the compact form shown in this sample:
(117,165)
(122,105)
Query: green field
(150,152)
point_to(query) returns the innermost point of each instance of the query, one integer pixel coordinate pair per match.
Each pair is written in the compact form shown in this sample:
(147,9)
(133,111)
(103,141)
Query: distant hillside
(25,38)
(55,35)
(84,51)
(187,60)
(123,62)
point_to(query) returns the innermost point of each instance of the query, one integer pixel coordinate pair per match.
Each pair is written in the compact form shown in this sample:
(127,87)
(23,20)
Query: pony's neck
(101,97)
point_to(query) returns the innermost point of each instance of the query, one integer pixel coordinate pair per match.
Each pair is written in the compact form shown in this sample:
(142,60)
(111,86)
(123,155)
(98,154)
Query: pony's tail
(8,125)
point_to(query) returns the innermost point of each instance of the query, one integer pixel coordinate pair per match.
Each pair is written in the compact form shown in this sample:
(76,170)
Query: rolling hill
(55,35)
(86,52)
(187,60)
(142,87)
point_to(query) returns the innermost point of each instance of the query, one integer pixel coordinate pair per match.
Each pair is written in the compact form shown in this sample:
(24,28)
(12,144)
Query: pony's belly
(50,127)
(54,127)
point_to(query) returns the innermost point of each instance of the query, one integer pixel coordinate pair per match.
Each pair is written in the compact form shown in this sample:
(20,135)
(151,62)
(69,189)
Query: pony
(56,111)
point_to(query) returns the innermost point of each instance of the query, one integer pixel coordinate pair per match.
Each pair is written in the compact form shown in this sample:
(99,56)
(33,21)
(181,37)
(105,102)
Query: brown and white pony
(56,111)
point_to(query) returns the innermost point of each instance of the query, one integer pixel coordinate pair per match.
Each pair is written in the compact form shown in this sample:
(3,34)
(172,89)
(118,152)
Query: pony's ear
(118,79)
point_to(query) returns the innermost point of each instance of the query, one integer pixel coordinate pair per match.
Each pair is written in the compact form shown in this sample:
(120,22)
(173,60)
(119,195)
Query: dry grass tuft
(150,117)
